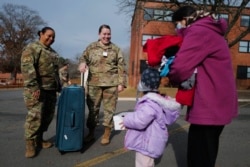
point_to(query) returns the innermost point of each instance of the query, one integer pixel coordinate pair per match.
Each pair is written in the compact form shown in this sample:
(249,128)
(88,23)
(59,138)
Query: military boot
(91,136)
(30,148)
(105,138)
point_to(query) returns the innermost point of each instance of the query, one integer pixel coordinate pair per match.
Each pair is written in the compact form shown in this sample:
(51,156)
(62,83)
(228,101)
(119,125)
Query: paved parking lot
(234,144)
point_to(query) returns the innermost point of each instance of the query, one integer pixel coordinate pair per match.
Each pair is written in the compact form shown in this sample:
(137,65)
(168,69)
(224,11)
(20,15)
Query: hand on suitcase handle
(120,88)
(82,67)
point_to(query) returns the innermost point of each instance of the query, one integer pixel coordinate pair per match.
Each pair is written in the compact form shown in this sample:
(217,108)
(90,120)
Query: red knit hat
(155,48)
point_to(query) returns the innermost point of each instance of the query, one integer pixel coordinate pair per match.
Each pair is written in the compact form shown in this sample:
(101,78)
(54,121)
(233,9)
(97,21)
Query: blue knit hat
(150,80)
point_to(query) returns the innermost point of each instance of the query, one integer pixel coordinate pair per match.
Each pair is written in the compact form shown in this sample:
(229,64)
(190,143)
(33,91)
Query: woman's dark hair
(104,26)
(44,29)
(171,51)
(182,12)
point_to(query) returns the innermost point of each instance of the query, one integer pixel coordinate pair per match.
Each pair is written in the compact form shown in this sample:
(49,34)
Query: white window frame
(145,37)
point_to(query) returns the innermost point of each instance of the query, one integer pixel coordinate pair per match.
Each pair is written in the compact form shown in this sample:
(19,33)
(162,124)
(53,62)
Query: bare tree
(126,53)
(18,26)
(233,8)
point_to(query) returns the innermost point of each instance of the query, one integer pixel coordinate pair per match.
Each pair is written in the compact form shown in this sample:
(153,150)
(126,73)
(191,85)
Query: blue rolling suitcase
(70,119)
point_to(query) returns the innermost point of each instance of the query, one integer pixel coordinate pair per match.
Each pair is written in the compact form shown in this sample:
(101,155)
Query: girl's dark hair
(104,26)
(182,12)
(44,29)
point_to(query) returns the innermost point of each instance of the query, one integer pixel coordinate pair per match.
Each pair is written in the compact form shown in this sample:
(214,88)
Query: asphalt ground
(234,148)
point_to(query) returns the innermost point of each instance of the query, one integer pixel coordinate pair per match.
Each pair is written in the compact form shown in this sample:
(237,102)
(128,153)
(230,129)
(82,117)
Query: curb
(243,100)
(126,99)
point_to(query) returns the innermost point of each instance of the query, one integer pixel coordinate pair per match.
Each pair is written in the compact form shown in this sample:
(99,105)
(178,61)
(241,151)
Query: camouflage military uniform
(39,66)
(106,71)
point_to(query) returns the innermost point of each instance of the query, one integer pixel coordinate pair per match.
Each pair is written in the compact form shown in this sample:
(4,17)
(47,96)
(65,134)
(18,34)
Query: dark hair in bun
(44,29)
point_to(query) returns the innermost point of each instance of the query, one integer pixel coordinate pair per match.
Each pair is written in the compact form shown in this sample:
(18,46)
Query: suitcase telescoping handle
(82,79)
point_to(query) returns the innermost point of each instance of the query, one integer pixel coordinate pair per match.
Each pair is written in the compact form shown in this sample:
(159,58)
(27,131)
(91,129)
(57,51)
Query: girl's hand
(122,126)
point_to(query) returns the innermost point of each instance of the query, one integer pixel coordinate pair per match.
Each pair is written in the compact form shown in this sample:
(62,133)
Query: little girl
(147,132)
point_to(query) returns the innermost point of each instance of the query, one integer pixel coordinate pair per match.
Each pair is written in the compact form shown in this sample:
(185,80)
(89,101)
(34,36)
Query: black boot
(91,136)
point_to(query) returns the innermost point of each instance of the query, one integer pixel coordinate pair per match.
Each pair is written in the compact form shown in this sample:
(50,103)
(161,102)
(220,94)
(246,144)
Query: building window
(244,46)
(143,65)
(245,21)
(243,72)
(248,72)
(223,16)
(148,13)
(158,14)
(146,37)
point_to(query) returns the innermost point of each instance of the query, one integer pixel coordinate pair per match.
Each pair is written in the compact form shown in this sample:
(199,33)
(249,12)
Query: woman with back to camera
(215,100)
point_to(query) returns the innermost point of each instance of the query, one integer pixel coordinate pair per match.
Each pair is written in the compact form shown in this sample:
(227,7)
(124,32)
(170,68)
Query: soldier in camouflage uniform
(39,66)
(106,66)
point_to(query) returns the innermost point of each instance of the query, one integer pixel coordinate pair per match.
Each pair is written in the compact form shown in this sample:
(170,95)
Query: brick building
(6,79)
(152,19)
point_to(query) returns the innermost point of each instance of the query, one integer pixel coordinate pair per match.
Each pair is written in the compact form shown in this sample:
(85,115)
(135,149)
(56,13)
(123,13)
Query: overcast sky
(76,22)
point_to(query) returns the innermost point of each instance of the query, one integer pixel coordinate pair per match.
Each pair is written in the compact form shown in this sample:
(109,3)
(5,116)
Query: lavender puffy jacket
(147,131)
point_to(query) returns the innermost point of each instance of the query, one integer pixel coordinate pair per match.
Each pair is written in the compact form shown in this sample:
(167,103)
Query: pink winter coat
(147,126)
(204,48)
